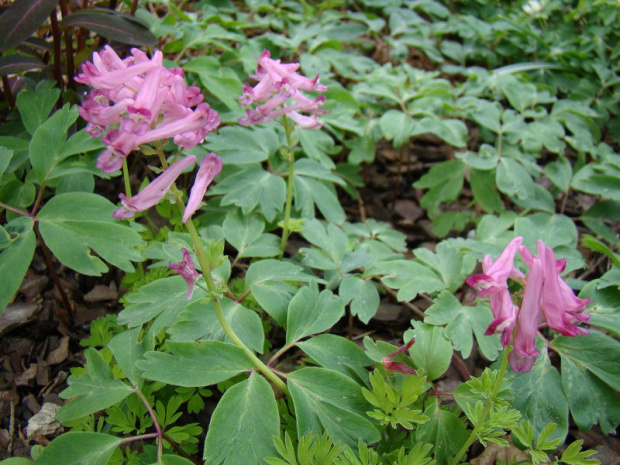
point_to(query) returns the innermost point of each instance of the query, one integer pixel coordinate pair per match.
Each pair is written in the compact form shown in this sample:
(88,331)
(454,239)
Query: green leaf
(540,398)
(485,192)
(431,351)
(591,401)
(15,258)
(444,181)
(408,276)
(221,81)
(330,238)
(36,105)
(47,141)
(195,364)
(16,461)
(595,352)
(252,187)
(362,295)
(199,322)
(328,400)
(128,350)
(452,131)
(560,172)
(95,390)
(74,223)
(162,299)
(265,279)
(309,191)
(240,145)
(80,448)
(338,354)
(310,312)
(243,425)
(396,126)
(5,157)
(450,262)
(486,158)
(245,233)
(461,321)
(444,429)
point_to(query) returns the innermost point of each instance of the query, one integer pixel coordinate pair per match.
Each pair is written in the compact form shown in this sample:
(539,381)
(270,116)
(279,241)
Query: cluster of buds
(279,87)
(547,300)
(137,100)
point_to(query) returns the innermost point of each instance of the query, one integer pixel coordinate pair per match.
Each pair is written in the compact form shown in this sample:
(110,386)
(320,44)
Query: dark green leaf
(444,429)
(111,25)
(22,19)
(431,351)
(15,64)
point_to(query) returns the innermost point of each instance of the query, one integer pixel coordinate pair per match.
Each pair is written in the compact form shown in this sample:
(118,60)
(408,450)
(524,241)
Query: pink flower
(210,166)
(547,301)
(187,270)
(496,273)
(154,192)
(277,84)
(138,101)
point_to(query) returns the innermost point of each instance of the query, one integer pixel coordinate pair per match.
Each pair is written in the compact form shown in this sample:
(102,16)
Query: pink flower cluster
(547,300)
(136,101)
(277,83)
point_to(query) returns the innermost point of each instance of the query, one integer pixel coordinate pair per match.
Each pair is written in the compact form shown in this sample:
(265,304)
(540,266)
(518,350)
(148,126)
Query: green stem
(206,272)
(286,232)
(126,178)
(487,409)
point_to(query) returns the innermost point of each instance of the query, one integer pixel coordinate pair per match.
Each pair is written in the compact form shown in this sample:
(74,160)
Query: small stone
(44,422)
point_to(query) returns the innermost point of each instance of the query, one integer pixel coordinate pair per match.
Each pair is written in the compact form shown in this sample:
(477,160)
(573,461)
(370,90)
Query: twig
(409,305)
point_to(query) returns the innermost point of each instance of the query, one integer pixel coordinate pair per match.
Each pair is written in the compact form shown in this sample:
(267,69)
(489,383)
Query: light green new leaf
(408,276)
(362,296)
(74,223)
(328,400)
(80,448)
(310,312)
(243,425)
(195,364)
(95,390)
(460,321)
(540,398)
(16,257)
(431,351)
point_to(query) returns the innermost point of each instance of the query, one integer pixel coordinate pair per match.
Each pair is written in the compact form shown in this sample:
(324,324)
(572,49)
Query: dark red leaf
(112,25)
(12,64)
(21,19)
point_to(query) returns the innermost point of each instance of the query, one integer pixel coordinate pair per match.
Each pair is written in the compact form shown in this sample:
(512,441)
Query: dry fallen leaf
(494,453)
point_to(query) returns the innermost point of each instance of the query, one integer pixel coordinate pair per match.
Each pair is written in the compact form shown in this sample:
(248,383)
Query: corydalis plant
(277,84)
(137,101)
(547,300)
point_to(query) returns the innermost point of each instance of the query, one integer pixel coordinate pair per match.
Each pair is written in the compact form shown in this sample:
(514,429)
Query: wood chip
(24,377)
(60,353)
(101,293)
(44,422)
(18,314)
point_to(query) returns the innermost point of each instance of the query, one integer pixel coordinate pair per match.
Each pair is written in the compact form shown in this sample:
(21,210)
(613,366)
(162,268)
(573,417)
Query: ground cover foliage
(479,122)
